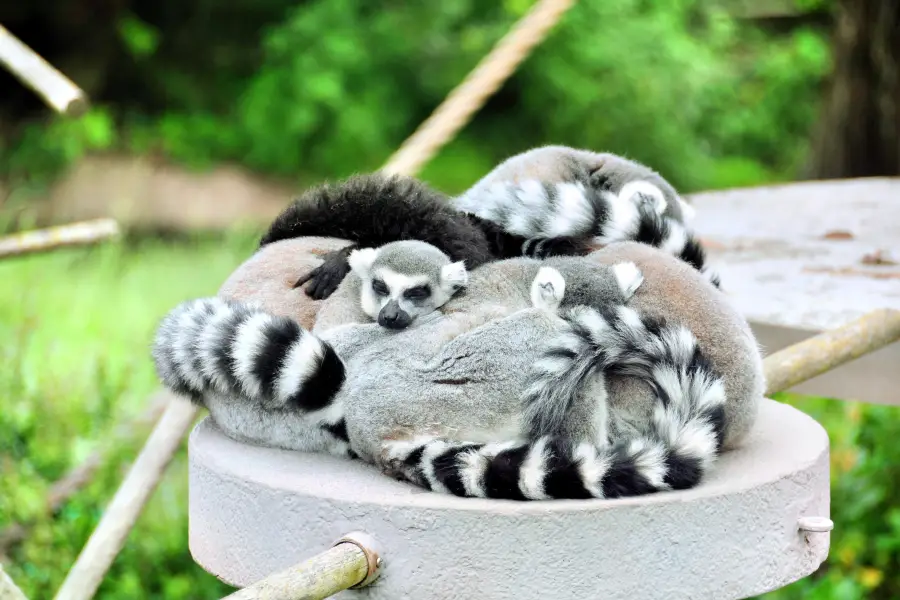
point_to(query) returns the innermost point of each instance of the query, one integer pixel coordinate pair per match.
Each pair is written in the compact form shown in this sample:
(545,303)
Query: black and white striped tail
(538,219)
(212,345)
(684,439)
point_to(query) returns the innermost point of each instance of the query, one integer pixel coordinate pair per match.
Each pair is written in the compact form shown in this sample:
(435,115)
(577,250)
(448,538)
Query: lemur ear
(454,275)
(361,260)
(645,192)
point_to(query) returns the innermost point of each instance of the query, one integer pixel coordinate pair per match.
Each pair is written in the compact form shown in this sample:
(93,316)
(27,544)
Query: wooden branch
(351,563)
(8,589)
(73,481)
(123,511)
(74,234)
(56,89)
(479,85)
(828,350)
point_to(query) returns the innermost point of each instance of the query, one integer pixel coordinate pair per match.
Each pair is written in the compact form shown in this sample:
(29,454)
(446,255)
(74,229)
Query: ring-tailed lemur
(545,202)
(402,281)
(565,450)
(236,358)
(263,378)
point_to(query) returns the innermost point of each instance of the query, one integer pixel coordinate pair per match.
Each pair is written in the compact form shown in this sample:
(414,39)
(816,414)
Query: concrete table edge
(255,510)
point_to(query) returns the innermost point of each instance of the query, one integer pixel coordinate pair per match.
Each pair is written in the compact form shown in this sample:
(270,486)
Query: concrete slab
(254,511)
(807,257)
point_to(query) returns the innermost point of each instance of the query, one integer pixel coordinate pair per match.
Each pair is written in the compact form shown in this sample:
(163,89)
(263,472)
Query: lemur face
(395,299)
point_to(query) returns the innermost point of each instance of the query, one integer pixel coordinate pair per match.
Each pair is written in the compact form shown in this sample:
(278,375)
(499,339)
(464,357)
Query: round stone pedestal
(254,511)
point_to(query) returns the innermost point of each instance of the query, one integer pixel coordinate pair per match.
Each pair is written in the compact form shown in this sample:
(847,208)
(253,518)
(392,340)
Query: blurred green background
(711,94)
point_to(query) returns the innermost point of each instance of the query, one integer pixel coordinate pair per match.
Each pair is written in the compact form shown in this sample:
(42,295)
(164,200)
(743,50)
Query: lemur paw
(325,279)
(548,289)
(629,278)
(646,194)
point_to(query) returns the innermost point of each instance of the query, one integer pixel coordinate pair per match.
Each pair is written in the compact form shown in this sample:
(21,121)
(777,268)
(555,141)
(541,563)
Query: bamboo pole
(123,511)
(56,89)
(479,85)
(8,589)
(74,234)
(352,562)
(830,349)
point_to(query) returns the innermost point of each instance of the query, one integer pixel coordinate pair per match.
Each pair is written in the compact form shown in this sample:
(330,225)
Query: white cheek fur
(369,301)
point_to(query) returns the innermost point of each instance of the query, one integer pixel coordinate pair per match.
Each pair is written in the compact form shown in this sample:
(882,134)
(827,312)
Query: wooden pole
(56,89)
(74,234)
(352,562)
(123,511)
(830,349)
(8,589)
(479,85)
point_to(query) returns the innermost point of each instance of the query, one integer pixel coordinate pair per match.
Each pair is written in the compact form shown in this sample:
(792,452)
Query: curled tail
(539,219)
(212,345)
(684,437)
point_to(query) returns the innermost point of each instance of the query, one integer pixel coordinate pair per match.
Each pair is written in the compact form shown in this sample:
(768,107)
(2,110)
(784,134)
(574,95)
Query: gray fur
(595,170)
(556,191)
(459,372)
(385,279)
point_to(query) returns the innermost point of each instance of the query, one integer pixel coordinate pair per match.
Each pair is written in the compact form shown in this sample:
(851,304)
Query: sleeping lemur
(362,390)
(564,449)
(546,202)
(402,281)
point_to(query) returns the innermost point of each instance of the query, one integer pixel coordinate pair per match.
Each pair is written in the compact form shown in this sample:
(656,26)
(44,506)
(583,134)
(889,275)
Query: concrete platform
(798,259)
(254,511)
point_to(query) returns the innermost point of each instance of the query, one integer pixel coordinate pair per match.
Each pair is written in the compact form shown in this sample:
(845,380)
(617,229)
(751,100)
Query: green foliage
(46,148)
(75,328)
(140,38)
(323,88)
(864,559)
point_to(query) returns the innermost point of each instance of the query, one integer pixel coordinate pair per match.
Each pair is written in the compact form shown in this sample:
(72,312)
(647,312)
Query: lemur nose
(392,317)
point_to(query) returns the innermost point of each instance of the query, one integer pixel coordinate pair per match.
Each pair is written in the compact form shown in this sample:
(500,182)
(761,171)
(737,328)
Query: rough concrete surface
(797,259)
(254,511)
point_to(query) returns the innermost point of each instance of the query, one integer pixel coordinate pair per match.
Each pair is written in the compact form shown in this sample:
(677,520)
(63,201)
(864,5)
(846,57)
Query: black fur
(338,430)
(374,209)
(501,479)
(319,390)
(370,211)
(279,335)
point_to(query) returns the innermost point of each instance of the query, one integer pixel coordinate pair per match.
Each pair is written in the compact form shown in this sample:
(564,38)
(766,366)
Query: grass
(75,329)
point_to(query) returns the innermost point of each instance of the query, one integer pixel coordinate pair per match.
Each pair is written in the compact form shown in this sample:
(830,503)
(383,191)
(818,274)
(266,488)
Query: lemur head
(403,281)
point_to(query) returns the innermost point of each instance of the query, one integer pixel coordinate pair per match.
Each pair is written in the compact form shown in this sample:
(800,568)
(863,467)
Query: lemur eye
(379,287)
(417,293)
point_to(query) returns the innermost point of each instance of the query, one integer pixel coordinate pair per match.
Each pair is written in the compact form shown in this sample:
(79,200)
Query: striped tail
(212,345)
(684,438)
(671,237)
(539,219)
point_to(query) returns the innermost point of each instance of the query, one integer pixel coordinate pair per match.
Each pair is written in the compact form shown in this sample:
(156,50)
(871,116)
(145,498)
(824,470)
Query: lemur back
(589,199)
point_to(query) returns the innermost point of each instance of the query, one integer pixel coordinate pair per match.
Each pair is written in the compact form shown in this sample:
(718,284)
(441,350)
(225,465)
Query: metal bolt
(815,524)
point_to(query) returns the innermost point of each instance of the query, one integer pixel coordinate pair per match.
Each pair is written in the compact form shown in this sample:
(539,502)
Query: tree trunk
(858,133)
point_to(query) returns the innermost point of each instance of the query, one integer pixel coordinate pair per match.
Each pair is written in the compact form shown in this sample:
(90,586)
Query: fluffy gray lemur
(554,190)
(460,373)
(402,281)
(549,201)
